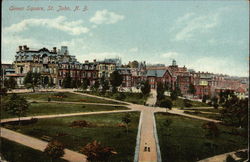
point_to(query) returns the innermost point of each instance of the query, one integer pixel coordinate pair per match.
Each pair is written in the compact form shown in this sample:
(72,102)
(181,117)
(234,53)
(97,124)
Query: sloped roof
(156,73)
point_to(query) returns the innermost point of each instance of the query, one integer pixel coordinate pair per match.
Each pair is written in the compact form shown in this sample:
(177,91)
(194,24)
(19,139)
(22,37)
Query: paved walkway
(222,157)
(151,101)
(40,145)
(148,145)
(63,115)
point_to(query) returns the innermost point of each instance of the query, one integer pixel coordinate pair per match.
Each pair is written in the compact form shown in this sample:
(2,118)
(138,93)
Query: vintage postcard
(124,81)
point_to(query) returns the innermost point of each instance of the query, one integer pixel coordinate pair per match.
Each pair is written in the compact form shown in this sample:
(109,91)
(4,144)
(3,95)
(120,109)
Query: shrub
(187,103)
(54,149)
(96,152)
(212,128)
(80,123)
(119,96)
(165,103)
(230,159)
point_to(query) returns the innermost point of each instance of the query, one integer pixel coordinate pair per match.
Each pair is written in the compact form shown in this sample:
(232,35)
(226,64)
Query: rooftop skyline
(204,36)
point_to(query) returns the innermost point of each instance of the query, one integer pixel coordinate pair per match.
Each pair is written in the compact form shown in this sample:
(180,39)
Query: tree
(235,112)
(67,81)
(10,83)
(85,84)
(17,105)
(145,88)
(96,85)
(215,102)
(167,86)
(115,80)
(32,80)
(54,149)
(96,152)
(45,81)
(187,103)
(204,98)
(173,95)
(104,84)
(126,119)
(160,91)
(192,89)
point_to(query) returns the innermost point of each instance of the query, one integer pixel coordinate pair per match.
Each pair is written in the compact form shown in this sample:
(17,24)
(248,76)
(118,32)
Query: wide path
(148,148)
(222,157)
(40,145)
(64,115)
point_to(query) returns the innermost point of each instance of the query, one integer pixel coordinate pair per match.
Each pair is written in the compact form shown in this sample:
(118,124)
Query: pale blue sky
(203,35)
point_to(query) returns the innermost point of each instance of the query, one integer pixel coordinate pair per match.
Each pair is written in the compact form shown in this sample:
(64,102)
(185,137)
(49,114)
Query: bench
(46,138)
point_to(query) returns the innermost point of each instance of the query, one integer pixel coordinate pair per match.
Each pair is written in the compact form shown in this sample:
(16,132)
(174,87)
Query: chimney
(86,61)
(25,47)
(94,60)
(20,48)
(54,49)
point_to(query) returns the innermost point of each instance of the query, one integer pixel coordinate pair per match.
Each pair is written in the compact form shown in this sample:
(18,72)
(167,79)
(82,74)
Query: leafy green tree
(17,105)
(96,152)
(54,150)
(85,84)
(104,84)
(45,81)
(10,83)
(192,89)
(215,102)
(173,95)
(145,88)
(67,81)
(96,85)
(160,91)
(126,119)
(167,86)
(235,112)
(32,80)
(115,80)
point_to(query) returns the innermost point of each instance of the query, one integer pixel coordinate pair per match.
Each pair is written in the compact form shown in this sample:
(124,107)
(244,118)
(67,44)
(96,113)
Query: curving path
(40,145)
(148,147)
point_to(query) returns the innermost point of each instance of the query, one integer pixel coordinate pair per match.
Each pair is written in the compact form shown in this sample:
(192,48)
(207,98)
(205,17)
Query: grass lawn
(62,108)
(211,116)
(184,140)
(179,103)
(135,98)
(14,152)
(105,128)
(206,110)
(66,96)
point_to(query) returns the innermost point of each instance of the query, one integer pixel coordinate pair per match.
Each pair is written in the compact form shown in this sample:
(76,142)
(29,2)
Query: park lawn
(207,110)
(15,152)
(184,140)
(135,98)
(105,128)
(179,103)
(37,108)
(67,96)
(210,116)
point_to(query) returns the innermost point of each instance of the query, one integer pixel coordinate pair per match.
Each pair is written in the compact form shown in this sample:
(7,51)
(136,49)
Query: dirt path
(40,145)
(152,98)
(222,157)
(64,115)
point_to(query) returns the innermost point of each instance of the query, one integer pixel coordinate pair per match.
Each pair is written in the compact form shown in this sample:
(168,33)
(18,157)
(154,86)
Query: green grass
(179,103)
(210,116)
(62,108)
(71,97)
(206,110)
(136,98)
(14,152)
(105,130)
(184,140)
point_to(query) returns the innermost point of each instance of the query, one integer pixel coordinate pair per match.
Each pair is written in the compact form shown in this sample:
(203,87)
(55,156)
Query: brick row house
(56,64)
